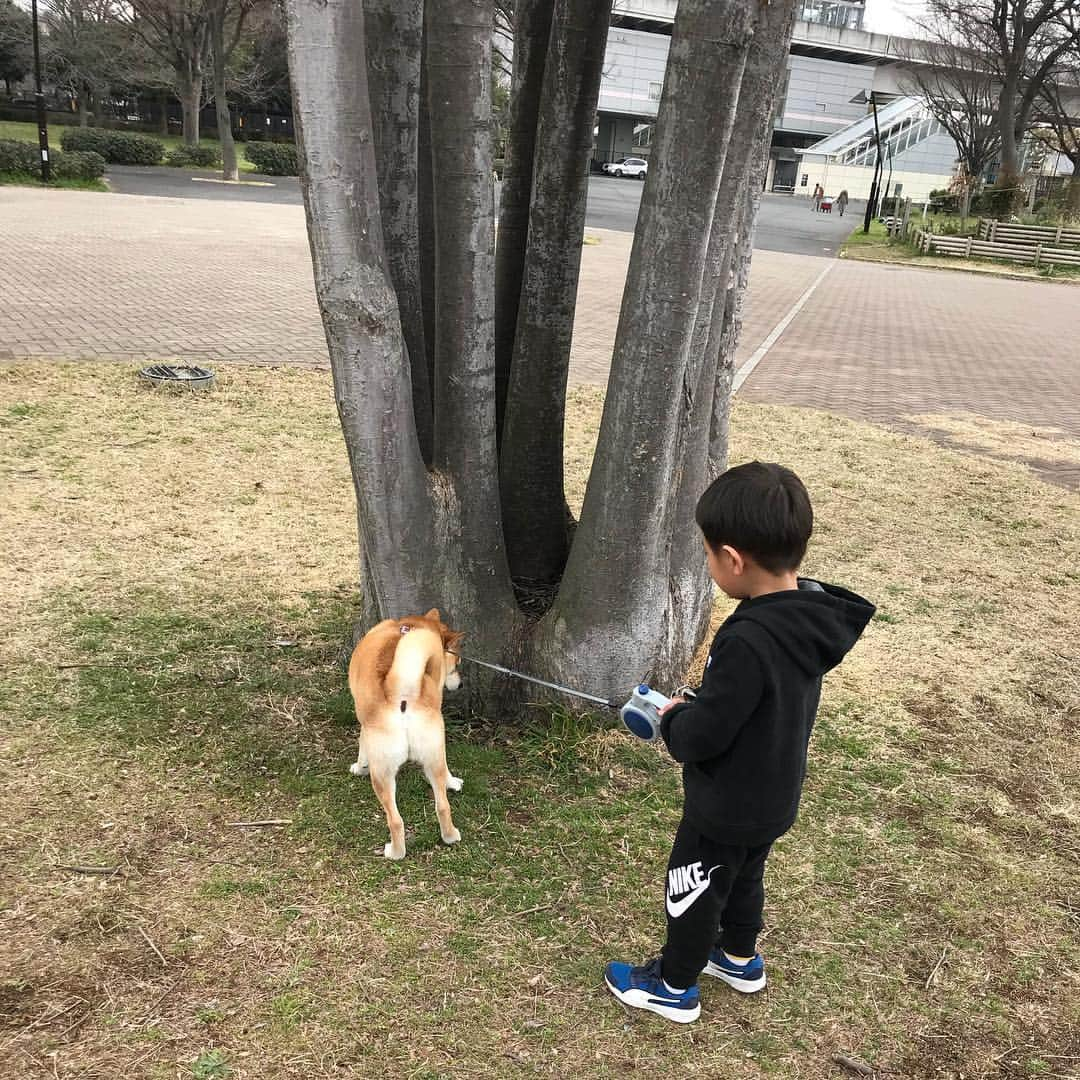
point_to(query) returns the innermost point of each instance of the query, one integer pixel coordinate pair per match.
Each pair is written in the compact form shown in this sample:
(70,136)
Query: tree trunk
(433,537)
(216,14)
(465,456)
(191,104)
(1010,160)
(164,102)
(532,33)
(395,45)
(531,454)
(723,287)
(614,615)
(83,111)
(426,216)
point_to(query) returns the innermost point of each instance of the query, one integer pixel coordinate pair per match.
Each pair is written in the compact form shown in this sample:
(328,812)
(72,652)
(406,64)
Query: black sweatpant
(715,896)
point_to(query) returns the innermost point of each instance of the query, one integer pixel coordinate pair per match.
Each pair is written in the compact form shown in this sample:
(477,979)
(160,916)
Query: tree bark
(216,14)
(360,314)
(465,456)
(395,44)
(723,287)
(426,217)
(191,104)
(531,455)
(164,102)
(617,612)
(532,33)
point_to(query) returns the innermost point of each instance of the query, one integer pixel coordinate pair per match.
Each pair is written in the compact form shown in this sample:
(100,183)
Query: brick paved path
(84,275)
(885,342)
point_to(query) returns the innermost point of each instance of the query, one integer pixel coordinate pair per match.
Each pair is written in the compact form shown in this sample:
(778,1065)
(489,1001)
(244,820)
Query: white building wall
(819,94)
(633,72)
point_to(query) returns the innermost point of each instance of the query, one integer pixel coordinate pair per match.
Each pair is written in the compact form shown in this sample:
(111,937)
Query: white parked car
(631,166)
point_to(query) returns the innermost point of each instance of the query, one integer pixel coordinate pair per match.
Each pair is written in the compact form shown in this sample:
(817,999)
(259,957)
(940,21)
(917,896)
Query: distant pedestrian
(819,194)
(842,201)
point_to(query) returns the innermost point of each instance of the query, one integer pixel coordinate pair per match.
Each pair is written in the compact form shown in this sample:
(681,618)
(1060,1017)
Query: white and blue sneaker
(644,988)
(747,978)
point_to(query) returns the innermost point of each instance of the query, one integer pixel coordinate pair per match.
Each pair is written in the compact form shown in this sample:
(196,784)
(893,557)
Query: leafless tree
(1060,114)
(961,92)
(1022,42)
(623,591)
(178,32)
(87,50)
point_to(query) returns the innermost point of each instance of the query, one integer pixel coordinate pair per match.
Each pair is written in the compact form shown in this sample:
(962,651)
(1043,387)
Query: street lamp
(39,100)
(861,98)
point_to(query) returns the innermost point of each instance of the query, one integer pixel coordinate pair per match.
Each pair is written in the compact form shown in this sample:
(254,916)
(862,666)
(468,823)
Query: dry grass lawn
(178,574)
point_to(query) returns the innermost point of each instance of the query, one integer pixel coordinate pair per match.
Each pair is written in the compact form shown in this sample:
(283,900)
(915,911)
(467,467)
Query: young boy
(743,739)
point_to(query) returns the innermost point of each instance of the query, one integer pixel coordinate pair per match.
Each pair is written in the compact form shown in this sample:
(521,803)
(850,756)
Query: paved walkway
(91,276)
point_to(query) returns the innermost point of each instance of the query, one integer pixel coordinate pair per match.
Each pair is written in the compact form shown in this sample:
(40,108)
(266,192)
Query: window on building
(654,91)
(846,14)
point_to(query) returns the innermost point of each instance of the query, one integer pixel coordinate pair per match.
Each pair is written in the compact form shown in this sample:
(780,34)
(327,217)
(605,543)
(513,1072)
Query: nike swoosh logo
(675,908)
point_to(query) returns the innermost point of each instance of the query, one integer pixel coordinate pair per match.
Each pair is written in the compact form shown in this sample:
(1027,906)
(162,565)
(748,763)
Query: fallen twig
(260,824)
(530,911)
(860,1068)
(104,871)
(157,952)
(64,667)
(937,967)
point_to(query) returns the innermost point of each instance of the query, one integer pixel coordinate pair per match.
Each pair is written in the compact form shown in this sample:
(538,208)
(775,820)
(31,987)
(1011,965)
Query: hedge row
(23,159)
(199,157)
(273,159)
(116,147)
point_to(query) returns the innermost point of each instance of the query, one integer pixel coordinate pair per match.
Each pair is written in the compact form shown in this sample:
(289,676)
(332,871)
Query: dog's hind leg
(438,776)
(360,766)
(386,792)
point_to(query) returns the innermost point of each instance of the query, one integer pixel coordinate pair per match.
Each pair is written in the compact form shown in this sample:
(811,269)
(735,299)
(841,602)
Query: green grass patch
(20,180)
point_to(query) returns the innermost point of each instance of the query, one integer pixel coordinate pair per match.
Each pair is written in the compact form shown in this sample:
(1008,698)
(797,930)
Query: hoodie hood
(816,624)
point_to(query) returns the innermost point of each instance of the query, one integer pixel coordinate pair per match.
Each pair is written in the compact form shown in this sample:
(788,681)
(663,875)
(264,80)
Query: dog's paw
(358,770)
(390,853)
(454,783)
(452,837)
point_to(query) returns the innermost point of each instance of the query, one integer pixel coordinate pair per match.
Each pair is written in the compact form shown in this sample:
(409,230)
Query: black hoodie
(743,739)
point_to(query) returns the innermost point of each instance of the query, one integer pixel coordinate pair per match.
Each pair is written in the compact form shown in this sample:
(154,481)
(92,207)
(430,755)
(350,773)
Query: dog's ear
(433,614)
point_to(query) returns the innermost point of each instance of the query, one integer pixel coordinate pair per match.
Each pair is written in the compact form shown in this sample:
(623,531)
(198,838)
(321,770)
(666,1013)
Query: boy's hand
(674,701)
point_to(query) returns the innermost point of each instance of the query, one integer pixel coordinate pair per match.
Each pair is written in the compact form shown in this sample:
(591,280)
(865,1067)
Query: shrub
(273,159)
(116,147)
(1004,197)
(78,165)
(200,157)
(22,159)
(944,201)
(18,157)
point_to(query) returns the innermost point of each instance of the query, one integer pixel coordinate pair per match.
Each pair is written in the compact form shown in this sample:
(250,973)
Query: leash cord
(607,703)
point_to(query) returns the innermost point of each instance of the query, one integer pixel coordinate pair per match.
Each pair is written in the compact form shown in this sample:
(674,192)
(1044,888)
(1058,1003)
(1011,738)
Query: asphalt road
(784,224)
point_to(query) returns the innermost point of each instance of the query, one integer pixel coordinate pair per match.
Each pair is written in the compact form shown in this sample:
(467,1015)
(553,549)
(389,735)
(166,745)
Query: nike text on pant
(715,896)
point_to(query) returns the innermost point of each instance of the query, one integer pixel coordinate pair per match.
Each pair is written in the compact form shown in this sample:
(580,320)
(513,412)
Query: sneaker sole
(639,999)
(744,986)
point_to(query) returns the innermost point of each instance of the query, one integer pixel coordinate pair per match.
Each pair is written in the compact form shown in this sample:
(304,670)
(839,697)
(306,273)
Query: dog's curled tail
(412,656)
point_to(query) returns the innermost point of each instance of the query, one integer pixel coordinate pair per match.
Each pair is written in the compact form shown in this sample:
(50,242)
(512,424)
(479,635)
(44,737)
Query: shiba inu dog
(397,675)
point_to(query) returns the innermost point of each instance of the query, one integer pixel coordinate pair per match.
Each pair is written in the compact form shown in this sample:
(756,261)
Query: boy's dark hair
(761,510)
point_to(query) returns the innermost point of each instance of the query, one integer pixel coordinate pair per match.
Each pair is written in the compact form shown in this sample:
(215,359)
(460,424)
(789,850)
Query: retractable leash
(640,714)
